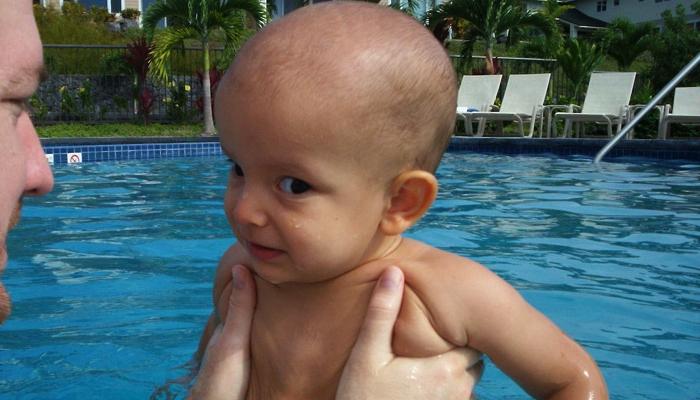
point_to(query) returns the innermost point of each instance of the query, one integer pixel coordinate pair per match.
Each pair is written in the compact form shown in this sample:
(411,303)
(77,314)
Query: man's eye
(294,186)
(236,168)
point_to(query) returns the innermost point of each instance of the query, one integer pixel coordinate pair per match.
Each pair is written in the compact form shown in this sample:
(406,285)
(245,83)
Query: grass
(78,130)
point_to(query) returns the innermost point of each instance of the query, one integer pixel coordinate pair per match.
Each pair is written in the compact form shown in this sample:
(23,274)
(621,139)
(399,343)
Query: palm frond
(173,10)
(578,59)
(253,8)
(163,44)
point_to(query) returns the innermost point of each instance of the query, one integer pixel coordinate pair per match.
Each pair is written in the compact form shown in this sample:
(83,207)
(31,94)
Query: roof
(576,17)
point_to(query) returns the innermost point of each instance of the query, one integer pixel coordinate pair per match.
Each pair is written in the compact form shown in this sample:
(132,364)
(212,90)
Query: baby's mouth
(263,253)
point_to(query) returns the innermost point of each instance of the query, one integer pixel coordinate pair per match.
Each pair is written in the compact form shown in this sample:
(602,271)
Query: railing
(559,87)
(656,100)
(93,83)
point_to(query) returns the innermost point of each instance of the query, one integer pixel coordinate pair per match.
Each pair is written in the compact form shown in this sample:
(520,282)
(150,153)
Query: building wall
(635,10)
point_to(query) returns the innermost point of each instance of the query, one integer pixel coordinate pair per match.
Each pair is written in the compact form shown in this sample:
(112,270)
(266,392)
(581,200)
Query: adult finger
(239,316)
(226,365)
(373,345)
(461,358)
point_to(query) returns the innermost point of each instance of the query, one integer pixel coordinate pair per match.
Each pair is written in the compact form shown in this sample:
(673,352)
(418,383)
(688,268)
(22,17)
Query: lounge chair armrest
(665,110)
(552,109)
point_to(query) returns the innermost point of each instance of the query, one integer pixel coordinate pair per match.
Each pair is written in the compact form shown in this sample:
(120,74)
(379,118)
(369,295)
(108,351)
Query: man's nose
(39,178)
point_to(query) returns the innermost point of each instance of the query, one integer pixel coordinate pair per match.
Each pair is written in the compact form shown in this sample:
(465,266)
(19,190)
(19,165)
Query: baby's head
(372,77)
(350,101)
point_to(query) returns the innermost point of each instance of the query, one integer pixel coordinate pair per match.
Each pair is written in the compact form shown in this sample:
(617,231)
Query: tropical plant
(67,103)
(490,21)
(74,25)
(39,109)
(409,7)
(87,102)
(674,47)
(578,59)
(199,19)
(176,103)
(138,56)
(625,41)
(215,75)
(548,46)
(130,13)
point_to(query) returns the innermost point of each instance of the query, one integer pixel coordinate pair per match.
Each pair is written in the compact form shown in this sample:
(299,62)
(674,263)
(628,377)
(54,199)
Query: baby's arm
(477,308)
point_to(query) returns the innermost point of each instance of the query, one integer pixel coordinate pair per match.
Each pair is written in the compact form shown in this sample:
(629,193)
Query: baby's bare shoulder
(453,289)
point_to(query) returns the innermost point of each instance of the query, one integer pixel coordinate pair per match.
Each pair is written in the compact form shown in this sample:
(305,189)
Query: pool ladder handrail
(656,100)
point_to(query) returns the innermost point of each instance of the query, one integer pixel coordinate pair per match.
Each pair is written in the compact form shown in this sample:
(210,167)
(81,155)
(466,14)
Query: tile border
(116,149)
(65,151)
(677,149)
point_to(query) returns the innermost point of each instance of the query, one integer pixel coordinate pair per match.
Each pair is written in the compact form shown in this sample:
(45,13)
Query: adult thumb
(226,364)
(239,316)
(373,345)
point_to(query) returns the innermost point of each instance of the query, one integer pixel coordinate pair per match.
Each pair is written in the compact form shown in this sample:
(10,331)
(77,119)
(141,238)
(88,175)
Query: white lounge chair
(522,102)
(476,93)
(607,101)
(686,109)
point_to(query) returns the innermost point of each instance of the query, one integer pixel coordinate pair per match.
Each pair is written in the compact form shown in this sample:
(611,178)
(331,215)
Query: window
(116,6)
(93,3)
(602,6)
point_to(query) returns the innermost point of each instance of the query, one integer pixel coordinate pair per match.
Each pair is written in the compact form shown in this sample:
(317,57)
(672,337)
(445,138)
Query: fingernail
(238,277)
(391,278)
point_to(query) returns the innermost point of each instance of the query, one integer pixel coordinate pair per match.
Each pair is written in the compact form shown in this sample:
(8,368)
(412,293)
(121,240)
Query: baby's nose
(249,209)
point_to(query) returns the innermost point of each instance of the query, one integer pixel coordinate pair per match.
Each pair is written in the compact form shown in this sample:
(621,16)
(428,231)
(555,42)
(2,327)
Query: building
(113,6)
(589,15)
(637,11)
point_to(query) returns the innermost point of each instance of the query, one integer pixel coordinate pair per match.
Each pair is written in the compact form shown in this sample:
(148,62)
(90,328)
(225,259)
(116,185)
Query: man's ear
(412,193)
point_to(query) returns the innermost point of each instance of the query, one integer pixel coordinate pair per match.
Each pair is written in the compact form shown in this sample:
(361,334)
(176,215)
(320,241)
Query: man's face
(23,166)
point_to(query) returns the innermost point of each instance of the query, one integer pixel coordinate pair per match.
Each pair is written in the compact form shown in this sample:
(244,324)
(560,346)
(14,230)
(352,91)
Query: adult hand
(374,372)
(225,367)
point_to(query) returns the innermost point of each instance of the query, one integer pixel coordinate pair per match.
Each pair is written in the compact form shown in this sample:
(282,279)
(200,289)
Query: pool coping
(62,150)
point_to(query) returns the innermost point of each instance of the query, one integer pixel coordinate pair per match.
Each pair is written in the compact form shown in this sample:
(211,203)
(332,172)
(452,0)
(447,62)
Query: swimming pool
(110,274)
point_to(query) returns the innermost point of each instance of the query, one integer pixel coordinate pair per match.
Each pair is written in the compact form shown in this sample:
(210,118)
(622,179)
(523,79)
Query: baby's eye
(236,168)
(294,186)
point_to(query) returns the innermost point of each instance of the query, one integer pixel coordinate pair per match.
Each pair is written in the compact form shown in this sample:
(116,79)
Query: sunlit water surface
(111,273)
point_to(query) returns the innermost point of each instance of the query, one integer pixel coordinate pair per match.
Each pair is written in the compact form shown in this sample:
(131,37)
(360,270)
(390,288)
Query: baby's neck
(303,332)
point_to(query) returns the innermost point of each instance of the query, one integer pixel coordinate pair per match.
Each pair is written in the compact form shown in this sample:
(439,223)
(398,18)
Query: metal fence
(93,83)
(560,88)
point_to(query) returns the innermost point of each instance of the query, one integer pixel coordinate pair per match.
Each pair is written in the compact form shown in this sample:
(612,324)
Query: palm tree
(577,60)
(625,41)
(198,19)
(488,20)
(548,46)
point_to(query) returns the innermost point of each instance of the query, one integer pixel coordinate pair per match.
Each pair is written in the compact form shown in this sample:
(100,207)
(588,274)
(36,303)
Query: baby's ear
(412,193)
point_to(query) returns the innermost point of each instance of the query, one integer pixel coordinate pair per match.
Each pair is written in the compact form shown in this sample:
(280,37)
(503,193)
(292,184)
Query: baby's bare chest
(302,355)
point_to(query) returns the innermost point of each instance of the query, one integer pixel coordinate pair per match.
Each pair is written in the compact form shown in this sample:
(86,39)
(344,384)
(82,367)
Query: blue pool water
(110,274)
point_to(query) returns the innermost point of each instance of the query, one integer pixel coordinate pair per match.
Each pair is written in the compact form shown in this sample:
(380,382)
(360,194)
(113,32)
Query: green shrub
(75,25)
(130,13)
(114,63)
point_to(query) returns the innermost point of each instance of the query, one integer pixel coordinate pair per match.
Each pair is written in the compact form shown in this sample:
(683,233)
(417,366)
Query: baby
(335,118)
